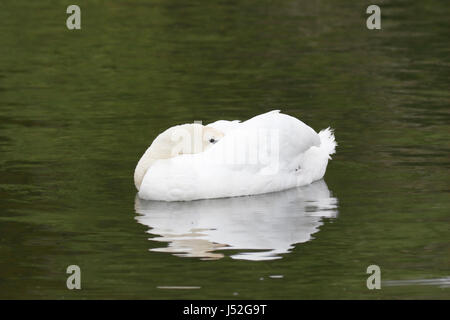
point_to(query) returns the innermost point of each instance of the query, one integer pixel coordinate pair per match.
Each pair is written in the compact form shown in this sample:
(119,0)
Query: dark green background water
(78,108)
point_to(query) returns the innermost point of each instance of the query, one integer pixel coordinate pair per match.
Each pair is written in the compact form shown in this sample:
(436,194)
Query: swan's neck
(161,148)
(182,139)
(142,167)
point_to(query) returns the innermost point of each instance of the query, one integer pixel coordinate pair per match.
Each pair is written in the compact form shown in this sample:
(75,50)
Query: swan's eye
(212,140)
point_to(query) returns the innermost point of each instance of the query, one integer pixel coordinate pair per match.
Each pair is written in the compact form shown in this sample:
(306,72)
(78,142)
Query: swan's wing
(294,136)
(225,125)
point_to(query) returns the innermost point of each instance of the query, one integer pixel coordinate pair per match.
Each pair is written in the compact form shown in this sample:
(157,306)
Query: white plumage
(267,153)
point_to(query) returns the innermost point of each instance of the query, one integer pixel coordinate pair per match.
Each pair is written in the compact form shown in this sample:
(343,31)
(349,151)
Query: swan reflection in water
(258,227)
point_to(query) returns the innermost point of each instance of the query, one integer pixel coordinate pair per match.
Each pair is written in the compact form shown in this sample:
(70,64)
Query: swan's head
(175,141)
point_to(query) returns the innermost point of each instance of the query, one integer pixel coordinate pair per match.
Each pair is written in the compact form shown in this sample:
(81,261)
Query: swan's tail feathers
(327,141)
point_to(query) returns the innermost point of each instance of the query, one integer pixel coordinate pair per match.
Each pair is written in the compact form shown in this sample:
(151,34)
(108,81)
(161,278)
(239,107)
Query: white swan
(267,153)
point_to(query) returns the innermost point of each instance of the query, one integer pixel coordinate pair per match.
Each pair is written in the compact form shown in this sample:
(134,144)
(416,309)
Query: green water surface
(79,107)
